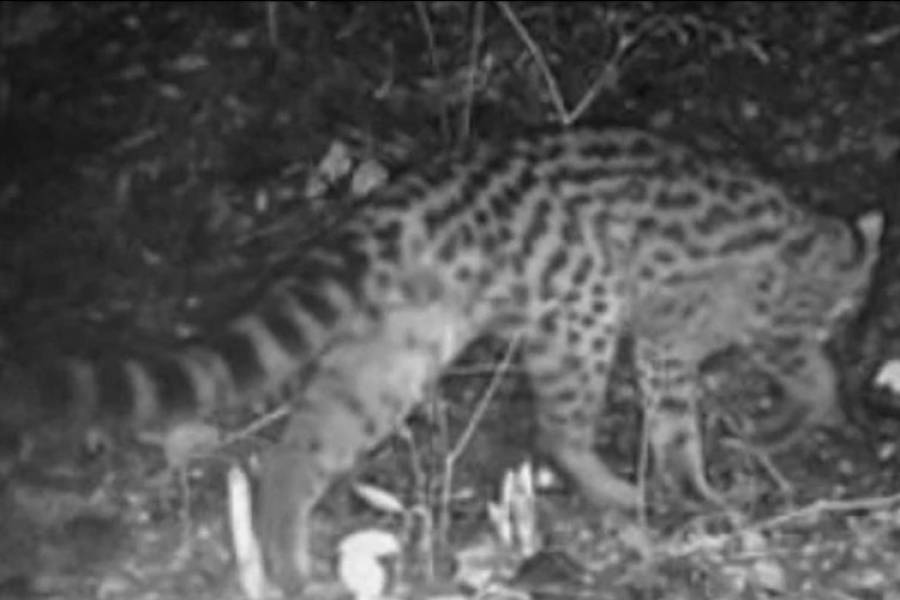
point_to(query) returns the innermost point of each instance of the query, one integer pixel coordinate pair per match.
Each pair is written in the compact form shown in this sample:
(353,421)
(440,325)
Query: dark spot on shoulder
(735,189)
(673,232)
(641,147)
(572,362)
(567,396)
(464,273)
(583,270)
(646,272)
(548,322)
(600,306)
(715,218)
(466,235)
(664,256)
(647,224)
(677,200)
(448,250)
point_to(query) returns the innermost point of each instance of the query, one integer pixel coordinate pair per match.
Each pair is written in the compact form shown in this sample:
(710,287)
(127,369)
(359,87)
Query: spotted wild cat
(568,240)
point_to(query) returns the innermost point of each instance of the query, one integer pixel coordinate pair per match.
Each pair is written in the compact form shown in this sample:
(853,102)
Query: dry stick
(609,76)
(272,23)
(608,80)
(477,36)
(536,53)
(422,12)
(880,37)
(420,506)
(827,506)
(650,409)
(811,510)
(469,431)
(643,467)
(262,422)
(762,458)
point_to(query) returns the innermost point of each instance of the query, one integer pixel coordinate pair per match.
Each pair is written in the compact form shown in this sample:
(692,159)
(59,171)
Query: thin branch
(536,53)
(272,23)
(609,75)
(477,38)
(465,437)
(255,426)
(608,80)
(422,12)
(828,506)
(486,398)
(761,458)
(420,507)
(819,507)
(643,468)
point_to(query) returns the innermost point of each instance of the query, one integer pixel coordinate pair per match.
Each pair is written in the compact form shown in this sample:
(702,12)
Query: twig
(488,395)
(816,508)
(477,36)
(880,37)
(184,486)
(272,23)
(608,80)
(421,504)
(536,53)
(827,506)
(643,470)
(609,75)
(257,425)
(650,410)
(422,12)
(763,459)
(465,437)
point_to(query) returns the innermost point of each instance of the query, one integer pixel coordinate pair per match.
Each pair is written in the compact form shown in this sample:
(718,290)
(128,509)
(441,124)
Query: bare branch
(422,12)
(466,436)
(536,53)
(477,38)
(272,23)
